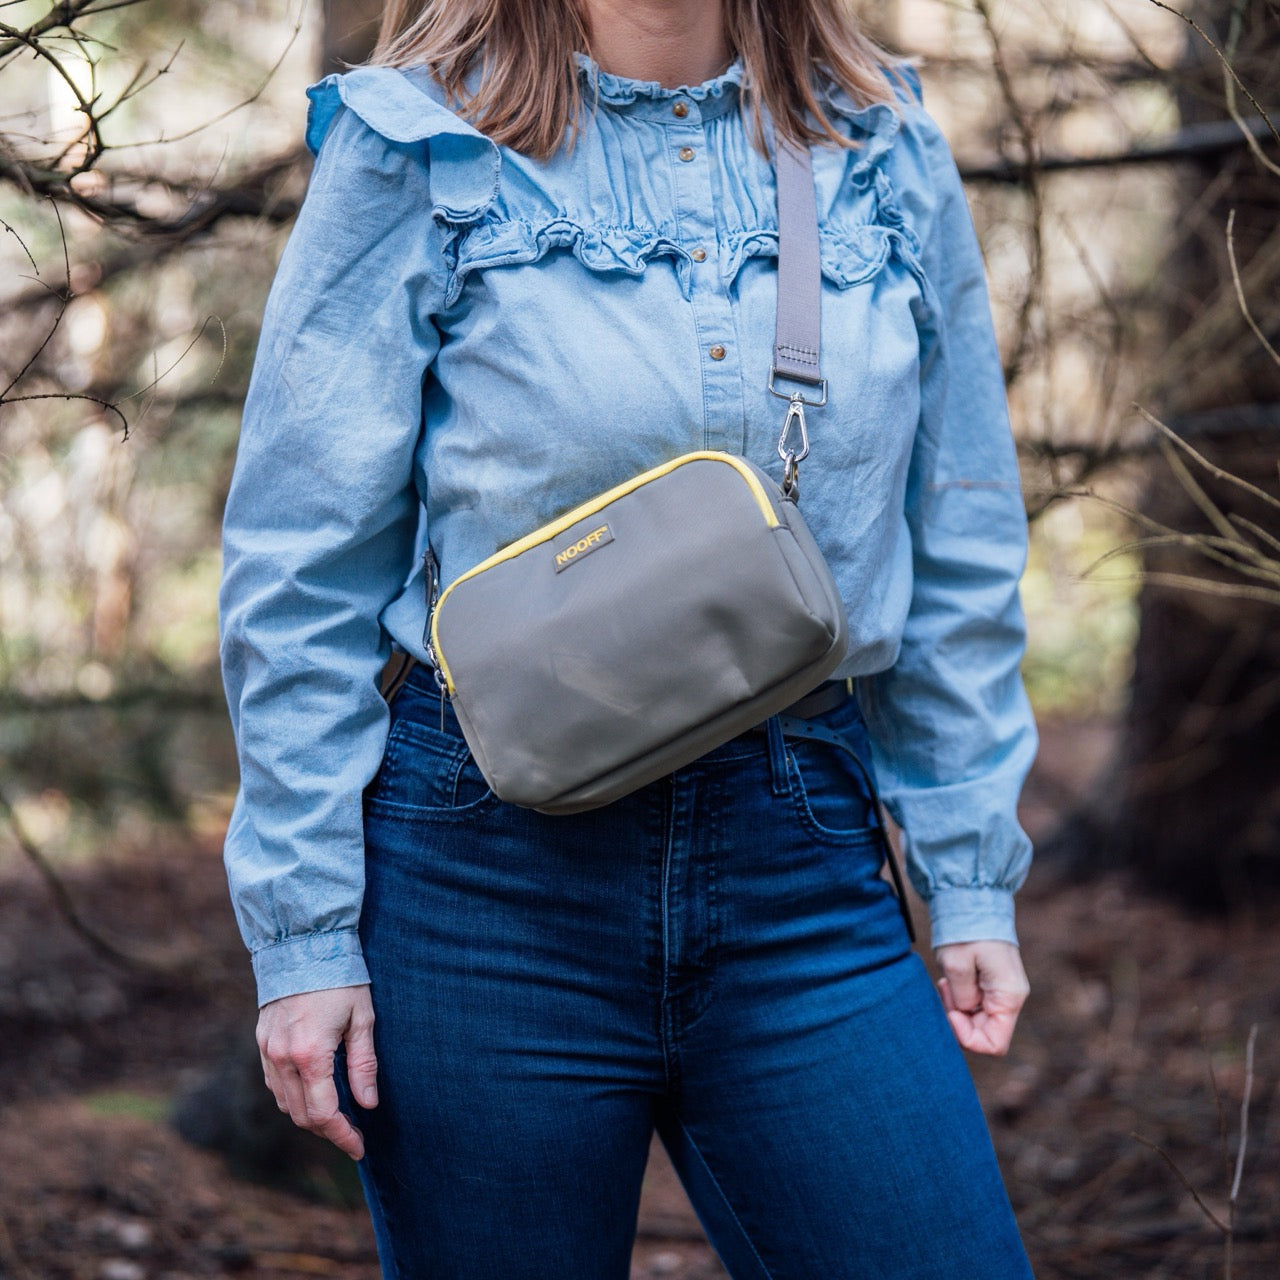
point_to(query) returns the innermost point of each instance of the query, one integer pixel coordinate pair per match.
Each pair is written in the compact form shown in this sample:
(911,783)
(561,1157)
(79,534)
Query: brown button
(686,153)
(680,109)
(699,255)
(717,352)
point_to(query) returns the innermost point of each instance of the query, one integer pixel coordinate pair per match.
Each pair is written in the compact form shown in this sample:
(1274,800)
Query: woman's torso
(613,307)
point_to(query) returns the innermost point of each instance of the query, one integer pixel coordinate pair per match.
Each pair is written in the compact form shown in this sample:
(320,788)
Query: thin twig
(1257,530)
(1207,586)
(1244,1111)
(1182,1177)
(1226,63)
(1219,550)
(1190,142)
(1217,472)
(1235,278)
(62,898)
(1219,1109)
(1205,504)
(1034,185)
(1229,88)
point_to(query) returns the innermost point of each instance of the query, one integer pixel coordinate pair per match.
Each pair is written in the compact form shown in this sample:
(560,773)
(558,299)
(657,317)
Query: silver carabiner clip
(795,414)
(791,479)
(791,458)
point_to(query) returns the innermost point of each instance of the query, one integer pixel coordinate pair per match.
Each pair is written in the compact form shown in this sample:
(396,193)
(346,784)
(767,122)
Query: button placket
(718,357)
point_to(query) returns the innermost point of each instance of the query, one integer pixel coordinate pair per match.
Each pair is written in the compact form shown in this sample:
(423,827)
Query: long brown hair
(529,94)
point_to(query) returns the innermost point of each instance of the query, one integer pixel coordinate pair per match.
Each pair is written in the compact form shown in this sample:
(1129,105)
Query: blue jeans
(714,956)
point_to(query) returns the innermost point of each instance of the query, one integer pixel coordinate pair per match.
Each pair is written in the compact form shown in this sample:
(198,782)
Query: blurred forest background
(1122,162)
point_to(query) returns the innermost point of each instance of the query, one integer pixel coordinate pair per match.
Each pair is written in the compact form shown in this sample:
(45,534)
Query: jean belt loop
(777,757)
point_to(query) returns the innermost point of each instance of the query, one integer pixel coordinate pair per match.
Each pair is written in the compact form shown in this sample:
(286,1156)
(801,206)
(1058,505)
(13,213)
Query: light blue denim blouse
(464,342)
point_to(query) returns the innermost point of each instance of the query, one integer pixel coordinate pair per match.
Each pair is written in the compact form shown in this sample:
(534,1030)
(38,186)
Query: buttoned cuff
(971,915)
(309,962)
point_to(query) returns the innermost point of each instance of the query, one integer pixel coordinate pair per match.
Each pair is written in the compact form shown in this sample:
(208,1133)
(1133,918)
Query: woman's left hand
(983,986)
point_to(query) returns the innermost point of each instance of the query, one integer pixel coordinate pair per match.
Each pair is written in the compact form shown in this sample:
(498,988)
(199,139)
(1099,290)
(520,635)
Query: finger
(281,1069)
(273,1083)
(962,978)
(984,1032)
(336,1128)
(362,1065)
(962,1026)
(295,1098)
(323,1114)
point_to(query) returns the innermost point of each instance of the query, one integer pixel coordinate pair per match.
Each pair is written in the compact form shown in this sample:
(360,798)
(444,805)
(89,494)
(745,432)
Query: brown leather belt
(827,696)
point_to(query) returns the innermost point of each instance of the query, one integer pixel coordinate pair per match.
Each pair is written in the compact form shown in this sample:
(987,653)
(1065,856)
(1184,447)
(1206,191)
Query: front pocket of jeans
(829,793)
(425,771)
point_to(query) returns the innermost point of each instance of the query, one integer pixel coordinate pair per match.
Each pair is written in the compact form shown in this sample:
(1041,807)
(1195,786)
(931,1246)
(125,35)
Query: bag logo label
(587,543)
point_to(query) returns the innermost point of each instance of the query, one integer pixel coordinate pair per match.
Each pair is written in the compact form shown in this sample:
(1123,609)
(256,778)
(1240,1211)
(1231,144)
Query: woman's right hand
(298,1036)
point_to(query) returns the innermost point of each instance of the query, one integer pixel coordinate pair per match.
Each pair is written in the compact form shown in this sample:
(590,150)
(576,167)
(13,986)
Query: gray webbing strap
(797,338)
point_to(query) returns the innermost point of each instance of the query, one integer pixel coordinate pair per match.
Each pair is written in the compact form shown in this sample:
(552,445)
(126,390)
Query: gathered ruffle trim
(848,256)
(465,165)
(621,91)
(519,242)
(466,170)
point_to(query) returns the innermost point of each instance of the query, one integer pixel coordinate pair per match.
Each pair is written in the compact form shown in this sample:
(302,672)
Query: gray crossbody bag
(662,617)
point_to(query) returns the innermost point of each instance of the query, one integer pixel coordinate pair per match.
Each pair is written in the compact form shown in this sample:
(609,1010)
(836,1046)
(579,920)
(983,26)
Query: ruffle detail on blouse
(518,242)
(529,216)
(621,91)
(465,165)
(875,125)
(848,256)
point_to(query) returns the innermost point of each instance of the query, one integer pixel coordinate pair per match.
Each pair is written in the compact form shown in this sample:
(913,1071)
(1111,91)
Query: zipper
(431,568)
(591,507)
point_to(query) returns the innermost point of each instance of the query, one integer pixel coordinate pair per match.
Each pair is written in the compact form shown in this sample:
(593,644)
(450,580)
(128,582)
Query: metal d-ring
(799,395)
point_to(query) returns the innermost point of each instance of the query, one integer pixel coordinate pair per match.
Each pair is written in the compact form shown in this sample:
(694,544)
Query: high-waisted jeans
(714,956)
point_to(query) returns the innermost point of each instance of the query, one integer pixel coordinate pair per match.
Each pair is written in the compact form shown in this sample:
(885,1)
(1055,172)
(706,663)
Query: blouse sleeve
(952,729)
(320,527)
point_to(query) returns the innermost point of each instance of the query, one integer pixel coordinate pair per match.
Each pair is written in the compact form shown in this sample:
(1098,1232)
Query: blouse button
(685,153)
(699,255)
(717,352)
(680,109)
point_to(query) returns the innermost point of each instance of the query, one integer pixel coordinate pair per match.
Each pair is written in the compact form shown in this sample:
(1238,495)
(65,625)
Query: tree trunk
(1198,798)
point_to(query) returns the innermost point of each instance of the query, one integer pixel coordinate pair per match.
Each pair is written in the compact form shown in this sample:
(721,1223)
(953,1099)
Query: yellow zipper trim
(556,527)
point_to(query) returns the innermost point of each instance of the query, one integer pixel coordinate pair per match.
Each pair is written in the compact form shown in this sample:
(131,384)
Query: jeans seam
(666,1017)
(724,1199)
(343,1085)
(713,800)
(387,1219)
(852,838)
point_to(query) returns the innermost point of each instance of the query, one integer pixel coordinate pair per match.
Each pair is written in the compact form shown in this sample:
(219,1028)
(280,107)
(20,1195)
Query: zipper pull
(441,685)
(431,571)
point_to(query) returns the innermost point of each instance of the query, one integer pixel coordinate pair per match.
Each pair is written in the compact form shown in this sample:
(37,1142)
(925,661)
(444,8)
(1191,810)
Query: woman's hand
(298,1036)
(983,988)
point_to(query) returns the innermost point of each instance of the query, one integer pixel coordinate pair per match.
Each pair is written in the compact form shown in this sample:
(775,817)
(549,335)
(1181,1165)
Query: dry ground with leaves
(1137,1026)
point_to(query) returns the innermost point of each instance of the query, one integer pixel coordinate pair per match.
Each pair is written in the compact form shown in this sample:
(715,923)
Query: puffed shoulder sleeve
(952,729)
(320,523)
